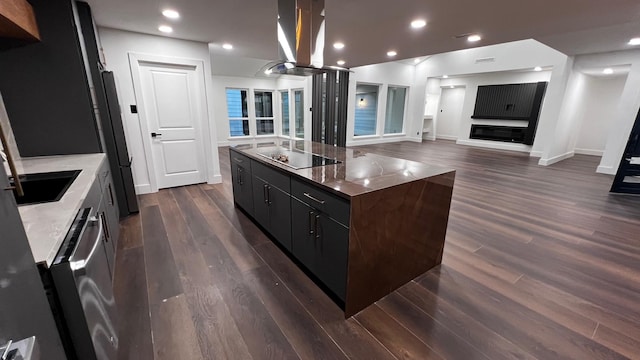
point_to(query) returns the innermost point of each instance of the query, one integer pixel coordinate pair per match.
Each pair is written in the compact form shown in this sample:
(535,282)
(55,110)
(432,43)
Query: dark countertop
(359,173)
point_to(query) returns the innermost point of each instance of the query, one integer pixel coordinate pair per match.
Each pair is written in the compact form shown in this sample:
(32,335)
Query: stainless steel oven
(82,291)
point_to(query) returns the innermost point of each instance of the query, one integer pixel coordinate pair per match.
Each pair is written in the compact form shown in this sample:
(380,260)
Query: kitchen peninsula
(360,224)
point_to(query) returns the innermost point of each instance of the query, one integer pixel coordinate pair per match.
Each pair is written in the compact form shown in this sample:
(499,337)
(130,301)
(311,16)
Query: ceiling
(370,28)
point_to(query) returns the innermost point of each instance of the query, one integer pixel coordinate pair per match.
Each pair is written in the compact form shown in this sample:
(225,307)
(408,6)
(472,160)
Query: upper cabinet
(17,24)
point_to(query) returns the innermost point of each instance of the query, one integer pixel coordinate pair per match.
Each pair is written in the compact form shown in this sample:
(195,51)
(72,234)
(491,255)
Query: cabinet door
(332,250)
(112,213)
(108,243)
(260,202)
(303,238)
(242,191)
(279,215)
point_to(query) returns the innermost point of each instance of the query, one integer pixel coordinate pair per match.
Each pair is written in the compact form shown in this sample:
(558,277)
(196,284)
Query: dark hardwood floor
(540,263)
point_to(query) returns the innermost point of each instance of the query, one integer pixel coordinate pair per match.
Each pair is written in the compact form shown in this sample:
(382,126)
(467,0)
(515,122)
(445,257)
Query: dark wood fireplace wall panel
(509,102)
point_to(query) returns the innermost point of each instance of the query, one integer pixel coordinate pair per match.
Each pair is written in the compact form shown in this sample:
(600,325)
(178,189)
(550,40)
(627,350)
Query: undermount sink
(44,187)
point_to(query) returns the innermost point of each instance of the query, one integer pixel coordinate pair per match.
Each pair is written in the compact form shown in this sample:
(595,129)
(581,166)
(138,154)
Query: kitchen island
(361,225)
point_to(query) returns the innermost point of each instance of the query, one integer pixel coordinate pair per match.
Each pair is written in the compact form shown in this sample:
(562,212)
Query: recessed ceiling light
(227,46)
(341,62)
(165,29)
(537,68)
(607,71)
(474,38)
(419,23)
(338,45)
(268,71)
(171,14)
(452,87)
(392,53)
(445,76)
(634,41)
(415,61)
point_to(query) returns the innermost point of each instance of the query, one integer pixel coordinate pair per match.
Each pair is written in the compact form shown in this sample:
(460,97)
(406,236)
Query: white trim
(377,140)
(609,170)
(224,143)
(496,145)
(536,154)
(447,137)
(555,159)
(217,179)
(143,189)
(393,135)
(592,152)
(135,59)
(365,137)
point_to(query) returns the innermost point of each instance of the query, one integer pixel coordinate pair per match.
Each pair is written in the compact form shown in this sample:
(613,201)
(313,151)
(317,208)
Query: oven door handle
(79,266)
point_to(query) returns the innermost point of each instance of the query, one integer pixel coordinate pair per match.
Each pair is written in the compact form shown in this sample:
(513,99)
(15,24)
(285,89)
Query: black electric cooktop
(298,159)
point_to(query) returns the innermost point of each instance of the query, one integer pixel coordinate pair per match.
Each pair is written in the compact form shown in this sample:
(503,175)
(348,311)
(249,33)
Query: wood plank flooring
(540,263)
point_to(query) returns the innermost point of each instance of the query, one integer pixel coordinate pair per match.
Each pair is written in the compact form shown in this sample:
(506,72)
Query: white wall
(384,75)
(599,104)
(221,83)
(117,44)
(519,55)
(629,102)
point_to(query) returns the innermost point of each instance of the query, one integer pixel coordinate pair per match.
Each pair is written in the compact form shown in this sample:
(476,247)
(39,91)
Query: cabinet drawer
(241,160)
(332,205)
(273,177)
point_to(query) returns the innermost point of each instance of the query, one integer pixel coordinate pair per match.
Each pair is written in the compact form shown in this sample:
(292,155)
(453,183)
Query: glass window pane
(284,98)
(299,112)
(237,103)
(366,110)
(238,127)
(394,117)
(264,105)
(264,126)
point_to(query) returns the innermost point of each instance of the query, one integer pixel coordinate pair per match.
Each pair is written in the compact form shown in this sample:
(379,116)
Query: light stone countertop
(47,224)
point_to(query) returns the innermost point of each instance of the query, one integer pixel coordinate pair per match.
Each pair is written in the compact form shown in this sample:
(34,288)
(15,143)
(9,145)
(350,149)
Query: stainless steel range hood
(301,41)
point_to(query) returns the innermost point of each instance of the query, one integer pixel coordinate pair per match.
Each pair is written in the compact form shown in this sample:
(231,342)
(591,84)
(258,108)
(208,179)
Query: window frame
(288,92)
(272,117)
(229,119)
(404,113)
(293,108)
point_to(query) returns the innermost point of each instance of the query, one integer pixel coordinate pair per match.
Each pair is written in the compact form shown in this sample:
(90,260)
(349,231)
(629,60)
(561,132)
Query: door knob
(154,135)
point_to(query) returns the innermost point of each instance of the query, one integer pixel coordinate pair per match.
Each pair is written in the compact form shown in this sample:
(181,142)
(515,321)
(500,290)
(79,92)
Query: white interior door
(449,113)
(172,104)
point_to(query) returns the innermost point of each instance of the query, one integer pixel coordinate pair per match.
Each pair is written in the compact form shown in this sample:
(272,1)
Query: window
(284,106)
(299,112)
(238,113)
(264,112)
(366,110)
(394,117)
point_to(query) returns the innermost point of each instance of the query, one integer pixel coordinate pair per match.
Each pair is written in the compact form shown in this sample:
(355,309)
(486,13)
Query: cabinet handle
(111,196)
(314,199)
(5,350)
(240,171)
(269,195)
(264,193)
(105,227)
(311,224)
(317,230)
(238,160)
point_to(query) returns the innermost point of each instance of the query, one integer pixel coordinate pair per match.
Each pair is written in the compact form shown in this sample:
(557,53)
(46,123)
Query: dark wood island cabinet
(362,227)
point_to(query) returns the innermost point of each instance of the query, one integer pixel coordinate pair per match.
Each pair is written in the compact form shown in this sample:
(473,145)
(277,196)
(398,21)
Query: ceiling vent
(485,60)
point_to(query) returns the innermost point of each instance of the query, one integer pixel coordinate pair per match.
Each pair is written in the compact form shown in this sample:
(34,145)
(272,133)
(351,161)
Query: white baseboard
(379,140)
(447,137)
(609,170)
(555,159)
(536,154)
(217,179)
(592,152)
(496,145)
(143,189)
(224,143)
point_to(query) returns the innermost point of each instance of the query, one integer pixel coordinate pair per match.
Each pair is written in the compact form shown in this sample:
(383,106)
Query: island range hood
(301,40)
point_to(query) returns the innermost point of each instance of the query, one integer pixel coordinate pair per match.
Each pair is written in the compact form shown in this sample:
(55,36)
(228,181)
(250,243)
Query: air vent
(485,60)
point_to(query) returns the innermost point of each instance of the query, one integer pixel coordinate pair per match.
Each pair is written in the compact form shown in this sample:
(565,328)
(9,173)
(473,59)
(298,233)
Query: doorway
(171,100)
(449,113)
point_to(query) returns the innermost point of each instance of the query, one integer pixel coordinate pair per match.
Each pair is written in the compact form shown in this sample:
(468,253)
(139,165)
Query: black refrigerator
(116,147)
